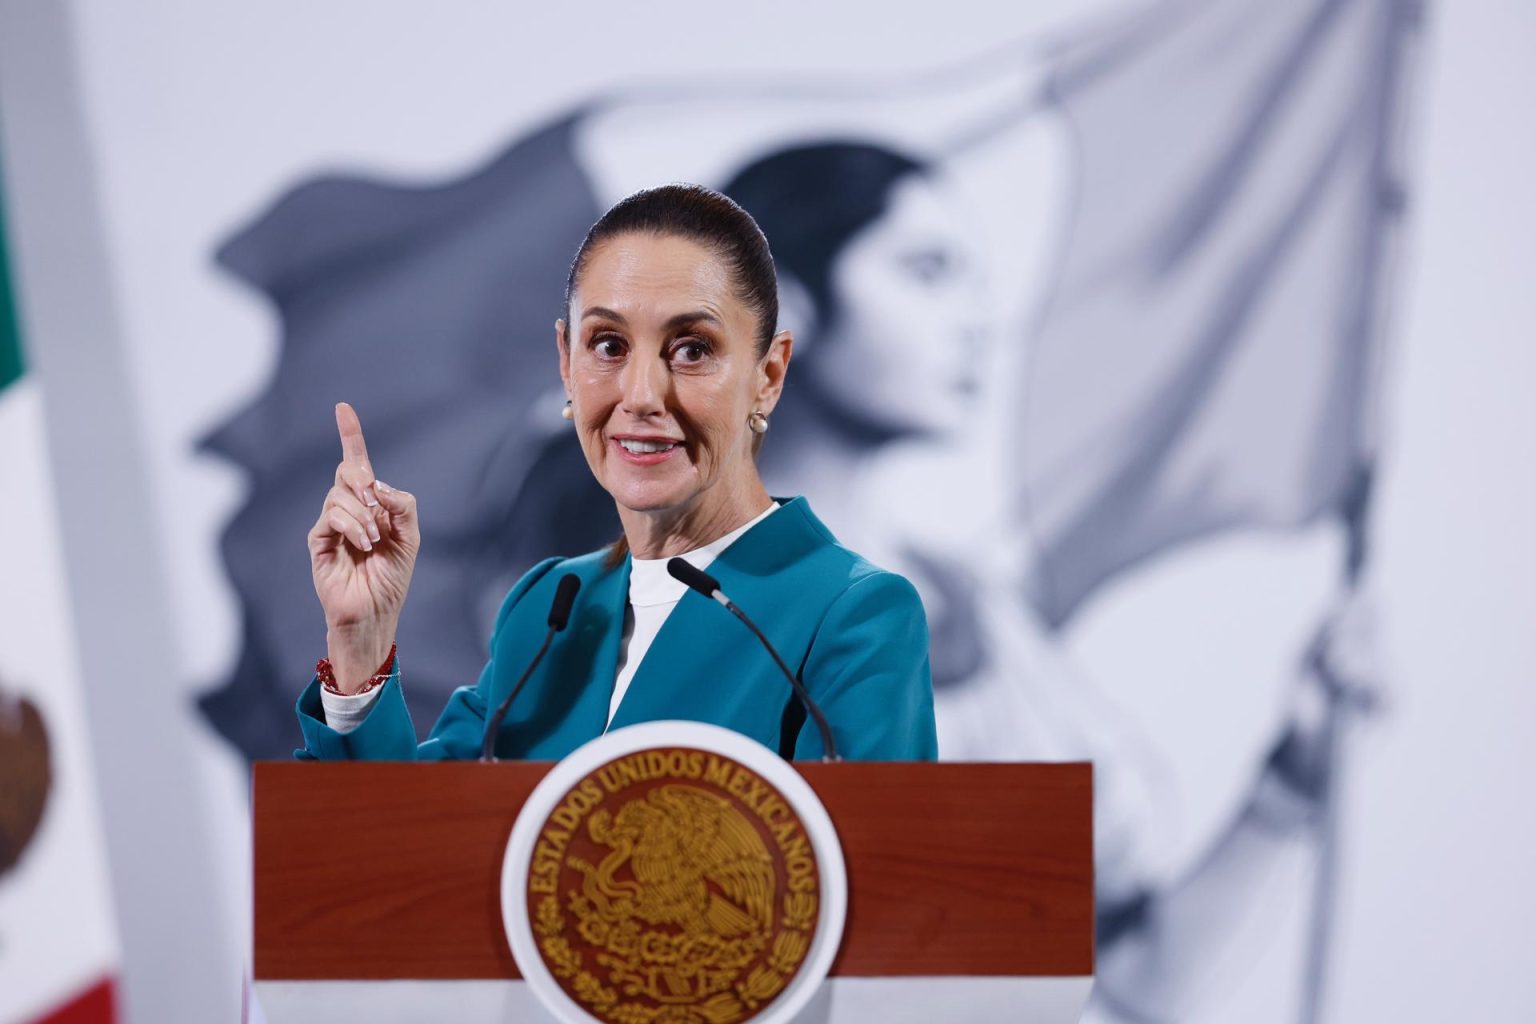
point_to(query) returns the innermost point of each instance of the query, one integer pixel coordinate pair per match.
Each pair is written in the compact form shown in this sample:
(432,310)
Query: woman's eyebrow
(697,316)
(605,313)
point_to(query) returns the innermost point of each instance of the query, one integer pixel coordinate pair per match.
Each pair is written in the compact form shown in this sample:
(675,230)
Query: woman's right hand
(362,551)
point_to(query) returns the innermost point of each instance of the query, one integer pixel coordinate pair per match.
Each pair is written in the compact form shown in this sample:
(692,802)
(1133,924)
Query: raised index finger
(353,448)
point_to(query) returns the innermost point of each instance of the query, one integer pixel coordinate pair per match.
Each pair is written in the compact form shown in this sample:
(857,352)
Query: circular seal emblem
(673,873)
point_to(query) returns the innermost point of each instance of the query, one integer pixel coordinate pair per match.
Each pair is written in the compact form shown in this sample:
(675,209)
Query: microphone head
(565,596)
(696,579)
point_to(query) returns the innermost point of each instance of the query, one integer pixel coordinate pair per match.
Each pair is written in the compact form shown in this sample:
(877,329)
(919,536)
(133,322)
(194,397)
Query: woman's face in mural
(902,352)
(661,365)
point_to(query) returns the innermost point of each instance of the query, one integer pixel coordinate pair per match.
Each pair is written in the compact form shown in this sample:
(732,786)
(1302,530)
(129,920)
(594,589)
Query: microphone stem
(829,748)
(492,727)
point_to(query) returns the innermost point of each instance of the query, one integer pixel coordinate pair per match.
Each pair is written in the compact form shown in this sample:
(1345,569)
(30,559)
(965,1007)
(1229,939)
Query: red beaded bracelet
(327,675)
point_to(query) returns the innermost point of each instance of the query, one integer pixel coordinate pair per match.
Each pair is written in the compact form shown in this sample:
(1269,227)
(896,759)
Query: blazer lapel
(686,661)
(698,663)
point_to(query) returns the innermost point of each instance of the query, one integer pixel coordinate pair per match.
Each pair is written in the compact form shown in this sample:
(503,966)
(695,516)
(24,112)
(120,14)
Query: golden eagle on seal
(695,860)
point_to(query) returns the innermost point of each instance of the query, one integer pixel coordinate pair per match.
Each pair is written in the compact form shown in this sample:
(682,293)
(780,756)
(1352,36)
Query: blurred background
(1174,349)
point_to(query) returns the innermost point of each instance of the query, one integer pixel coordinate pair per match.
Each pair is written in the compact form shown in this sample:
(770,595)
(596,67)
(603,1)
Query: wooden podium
(376,891)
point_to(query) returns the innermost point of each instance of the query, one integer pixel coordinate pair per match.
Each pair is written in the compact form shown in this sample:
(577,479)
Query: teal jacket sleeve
(387,734)
(868,670)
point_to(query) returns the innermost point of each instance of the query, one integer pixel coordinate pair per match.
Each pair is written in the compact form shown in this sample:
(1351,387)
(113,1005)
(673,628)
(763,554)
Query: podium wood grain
(390,870)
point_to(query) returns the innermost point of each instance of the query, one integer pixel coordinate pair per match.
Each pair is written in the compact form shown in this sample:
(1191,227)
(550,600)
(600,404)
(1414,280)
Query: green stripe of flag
(10,327)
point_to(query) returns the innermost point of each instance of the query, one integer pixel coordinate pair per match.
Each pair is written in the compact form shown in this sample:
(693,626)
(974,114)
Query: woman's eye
(607,347)
(690,352)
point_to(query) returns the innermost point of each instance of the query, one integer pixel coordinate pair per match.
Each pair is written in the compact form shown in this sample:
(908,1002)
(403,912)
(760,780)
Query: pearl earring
(758,422)
(568,412)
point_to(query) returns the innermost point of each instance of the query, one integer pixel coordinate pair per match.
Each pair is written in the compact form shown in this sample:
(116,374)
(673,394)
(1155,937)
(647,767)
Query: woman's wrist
(327,678)
(357,652)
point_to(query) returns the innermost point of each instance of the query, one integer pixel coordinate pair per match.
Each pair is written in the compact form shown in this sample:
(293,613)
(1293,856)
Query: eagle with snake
(694,863)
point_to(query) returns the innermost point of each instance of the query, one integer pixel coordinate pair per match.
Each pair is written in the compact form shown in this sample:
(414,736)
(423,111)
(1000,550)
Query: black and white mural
(1062,311)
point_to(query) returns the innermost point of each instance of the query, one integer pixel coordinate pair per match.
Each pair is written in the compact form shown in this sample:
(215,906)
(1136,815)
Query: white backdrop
(197,114)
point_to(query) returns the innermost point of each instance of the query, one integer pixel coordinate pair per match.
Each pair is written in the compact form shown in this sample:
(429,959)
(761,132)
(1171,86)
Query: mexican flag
(58,942)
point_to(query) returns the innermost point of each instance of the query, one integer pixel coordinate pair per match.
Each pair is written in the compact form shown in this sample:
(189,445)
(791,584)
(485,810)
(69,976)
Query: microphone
(565,597)
(701,581)
(559,615)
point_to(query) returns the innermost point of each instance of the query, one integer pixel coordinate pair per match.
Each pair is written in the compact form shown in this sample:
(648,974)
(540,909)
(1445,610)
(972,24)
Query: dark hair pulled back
(701,215)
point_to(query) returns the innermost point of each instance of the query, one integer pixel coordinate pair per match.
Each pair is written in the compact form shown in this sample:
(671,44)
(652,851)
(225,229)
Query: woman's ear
(797,311)
(771,371)
(563,345)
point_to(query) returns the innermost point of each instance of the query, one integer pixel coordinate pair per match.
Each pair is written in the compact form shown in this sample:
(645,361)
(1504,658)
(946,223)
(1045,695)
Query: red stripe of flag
(96,1005)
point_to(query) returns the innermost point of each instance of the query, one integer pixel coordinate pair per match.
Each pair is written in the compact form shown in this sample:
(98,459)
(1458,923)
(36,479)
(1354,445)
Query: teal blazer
(855,634)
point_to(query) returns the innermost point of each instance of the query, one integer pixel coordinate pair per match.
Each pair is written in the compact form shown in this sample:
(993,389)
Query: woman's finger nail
(373,532)
(368,498)
(384,487)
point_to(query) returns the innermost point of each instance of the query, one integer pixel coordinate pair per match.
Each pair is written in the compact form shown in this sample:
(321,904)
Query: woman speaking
(672,368)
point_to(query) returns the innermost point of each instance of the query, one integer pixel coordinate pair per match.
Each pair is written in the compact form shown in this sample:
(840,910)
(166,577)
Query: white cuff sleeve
(347,713)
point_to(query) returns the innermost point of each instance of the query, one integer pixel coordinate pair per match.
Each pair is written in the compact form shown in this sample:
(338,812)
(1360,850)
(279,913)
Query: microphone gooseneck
(559,615)
(697,579)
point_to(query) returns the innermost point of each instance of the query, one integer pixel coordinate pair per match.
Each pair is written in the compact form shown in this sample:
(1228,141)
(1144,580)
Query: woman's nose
(644,385)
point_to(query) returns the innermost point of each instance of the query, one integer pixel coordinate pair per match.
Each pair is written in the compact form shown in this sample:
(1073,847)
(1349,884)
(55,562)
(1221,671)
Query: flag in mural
(58,946)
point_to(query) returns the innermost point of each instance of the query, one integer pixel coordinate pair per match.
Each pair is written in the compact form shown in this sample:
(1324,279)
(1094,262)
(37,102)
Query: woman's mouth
(646,447)
(646,451)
